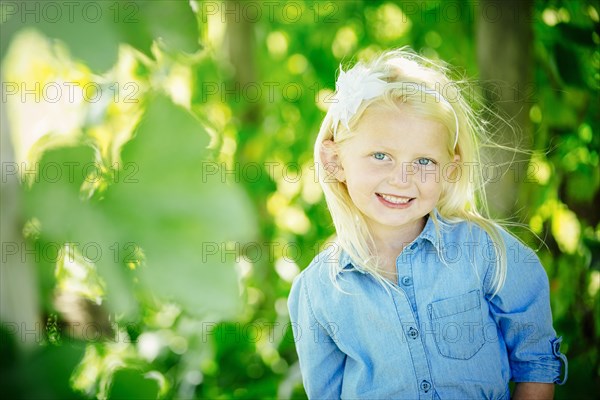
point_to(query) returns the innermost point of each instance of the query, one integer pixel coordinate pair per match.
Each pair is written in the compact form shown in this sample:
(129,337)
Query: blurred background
(158,193)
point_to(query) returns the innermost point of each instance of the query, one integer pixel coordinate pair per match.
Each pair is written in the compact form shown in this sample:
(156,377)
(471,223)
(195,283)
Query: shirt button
(413,333)
(407,281)
(425,386)
(413,246)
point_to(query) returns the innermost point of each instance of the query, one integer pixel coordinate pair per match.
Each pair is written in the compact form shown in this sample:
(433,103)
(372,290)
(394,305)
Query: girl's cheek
(429,175)
(376,176)
(378,169)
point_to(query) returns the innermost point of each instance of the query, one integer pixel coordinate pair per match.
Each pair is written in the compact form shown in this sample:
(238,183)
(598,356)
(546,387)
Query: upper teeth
(395,200)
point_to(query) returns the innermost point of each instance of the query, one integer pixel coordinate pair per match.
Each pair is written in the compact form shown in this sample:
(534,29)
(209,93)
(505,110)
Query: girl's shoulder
(321,265)
(319,276)
(486,233)
(308,286)
(493,248)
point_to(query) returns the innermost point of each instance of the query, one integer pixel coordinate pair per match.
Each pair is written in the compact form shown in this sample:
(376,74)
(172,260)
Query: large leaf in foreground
(162,210)
(176,212)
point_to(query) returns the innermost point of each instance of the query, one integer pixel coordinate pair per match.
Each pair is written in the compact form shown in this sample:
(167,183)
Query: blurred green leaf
(163,213)
(43,373)
(583,184)
(568,64)
(94,30)
(132,384)
(176,212)
(173,22)
(576,34)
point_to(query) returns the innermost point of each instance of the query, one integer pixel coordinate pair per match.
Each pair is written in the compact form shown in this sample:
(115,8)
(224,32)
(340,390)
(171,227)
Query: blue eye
(424,161)
(379,156)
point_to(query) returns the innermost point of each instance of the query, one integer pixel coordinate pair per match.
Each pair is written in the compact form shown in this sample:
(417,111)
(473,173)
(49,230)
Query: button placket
(406,307)
(404,268)
(408,325)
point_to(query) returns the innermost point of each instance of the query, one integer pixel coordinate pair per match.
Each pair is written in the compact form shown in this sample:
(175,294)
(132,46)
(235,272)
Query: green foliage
(106,25)
(205,209)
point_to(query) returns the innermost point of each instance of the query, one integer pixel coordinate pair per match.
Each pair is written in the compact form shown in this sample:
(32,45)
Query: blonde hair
(462,200)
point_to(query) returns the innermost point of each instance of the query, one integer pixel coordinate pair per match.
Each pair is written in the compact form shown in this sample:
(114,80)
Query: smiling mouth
(394,199)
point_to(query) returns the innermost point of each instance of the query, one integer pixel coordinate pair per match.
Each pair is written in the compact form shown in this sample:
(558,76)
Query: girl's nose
(402,174)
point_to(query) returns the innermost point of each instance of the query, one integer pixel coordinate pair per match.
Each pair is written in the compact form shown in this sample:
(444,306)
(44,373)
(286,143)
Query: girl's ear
(452,166)
(331,160)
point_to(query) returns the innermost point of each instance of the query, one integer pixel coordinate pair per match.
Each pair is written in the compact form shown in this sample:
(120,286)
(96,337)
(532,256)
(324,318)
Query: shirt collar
(428,233)
(346,262)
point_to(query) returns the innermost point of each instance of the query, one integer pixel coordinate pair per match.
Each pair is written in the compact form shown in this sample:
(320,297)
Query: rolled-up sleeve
(321,361)
(522,312)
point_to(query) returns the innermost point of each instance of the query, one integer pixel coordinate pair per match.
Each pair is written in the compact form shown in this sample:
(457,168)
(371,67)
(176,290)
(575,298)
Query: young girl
(421,296)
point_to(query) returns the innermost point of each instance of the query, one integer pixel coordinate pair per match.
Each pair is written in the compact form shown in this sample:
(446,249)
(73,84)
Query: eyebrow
(386,149)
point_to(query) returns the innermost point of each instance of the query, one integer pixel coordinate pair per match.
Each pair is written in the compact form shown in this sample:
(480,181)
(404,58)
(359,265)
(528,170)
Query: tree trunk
(504,54)
(19,300)
(241,44)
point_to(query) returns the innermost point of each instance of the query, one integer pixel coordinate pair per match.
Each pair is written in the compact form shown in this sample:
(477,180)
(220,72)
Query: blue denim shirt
(441,335)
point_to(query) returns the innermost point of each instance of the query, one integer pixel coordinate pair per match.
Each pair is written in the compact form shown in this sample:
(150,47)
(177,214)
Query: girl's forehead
(385,124)
(401,112)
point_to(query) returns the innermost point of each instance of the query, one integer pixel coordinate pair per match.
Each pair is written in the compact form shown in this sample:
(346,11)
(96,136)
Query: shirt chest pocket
(457,325)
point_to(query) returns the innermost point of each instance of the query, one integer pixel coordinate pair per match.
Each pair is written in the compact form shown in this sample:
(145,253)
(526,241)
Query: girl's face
(394,167)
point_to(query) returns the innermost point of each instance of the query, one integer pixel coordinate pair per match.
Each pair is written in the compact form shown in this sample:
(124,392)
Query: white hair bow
(352,87)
